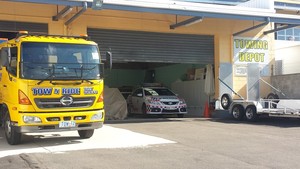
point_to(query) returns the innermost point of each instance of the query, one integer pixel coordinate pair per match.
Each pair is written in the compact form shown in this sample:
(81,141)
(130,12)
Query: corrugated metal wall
(133,46)
(9,26)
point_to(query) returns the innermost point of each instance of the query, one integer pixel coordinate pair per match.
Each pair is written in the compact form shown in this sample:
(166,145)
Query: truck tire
(238,112)
(11,134)
(273,96)
(251,113)
(86,133)
(226,100)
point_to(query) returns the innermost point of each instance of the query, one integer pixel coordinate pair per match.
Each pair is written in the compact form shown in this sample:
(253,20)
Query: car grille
(55,102)
(170,103)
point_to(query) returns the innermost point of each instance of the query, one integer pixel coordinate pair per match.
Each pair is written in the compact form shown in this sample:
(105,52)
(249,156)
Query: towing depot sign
(250,50)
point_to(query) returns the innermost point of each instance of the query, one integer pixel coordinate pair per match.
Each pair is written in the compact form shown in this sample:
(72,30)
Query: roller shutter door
(10,26)
(134,46)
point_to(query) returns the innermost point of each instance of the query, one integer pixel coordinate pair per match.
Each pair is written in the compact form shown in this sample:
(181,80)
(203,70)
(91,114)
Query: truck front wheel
(12,136)
(85,133)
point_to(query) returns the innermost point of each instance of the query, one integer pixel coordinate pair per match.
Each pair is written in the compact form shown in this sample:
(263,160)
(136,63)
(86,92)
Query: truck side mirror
(5,56)
(108,61)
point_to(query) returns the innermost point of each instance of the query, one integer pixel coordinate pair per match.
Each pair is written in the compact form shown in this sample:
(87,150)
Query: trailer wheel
(273,96)
(86,133)
(226,100)
(238,112)
(11,134)
(251,113)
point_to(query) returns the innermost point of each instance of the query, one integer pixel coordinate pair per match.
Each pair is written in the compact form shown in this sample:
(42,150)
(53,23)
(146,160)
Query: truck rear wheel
(12,136)
(238,112)
(85,133)
(251,113)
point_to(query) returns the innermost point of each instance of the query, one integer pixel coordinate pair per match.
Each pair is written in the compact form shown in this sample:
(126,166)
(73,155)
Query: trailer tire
(226,100)
(86,133)
(12,136)
(238,112)
(251,113)
(273,96)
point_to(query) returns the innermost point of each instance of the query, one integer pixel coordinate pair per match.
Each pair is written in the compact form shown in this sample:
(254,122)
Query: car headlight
(97,116)
(31,119)
(181,101)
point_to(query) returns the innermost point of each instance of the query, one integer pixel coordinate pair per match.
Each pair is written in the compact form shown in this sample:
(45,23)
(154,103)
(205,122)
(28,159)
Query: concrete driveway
(163,143)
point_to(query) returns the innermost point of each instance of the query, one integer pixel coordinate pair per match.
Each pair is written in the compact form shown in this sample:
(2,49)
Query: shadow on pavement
(284,122)
(145,118)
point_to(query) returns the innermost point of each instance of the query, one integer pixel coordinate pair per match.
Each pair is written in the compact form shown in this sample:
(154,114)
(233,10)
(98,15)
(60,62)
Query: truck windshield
(55,61)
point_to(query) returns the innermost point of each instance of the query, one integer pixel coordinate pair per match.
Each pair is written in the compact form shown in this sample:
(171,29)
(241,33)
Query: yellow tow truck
(50,83)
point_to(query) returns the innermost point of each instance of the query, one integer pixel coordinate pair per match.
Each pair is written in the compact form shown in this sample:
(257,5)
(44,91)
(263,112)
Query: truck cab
(50,83)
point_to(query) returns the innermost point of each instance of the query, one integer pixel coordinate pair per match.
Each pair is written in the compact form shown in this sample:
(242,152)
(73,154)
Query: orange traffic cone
(206,113)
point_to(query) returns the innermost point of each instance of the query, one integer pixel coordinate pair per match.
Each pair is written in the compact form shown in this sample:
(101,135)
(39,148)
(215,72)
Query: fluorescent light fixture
(97,4)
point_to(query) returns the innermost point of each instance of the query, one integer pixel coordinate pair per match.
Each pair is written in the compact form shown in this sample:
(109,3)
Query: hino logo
(66,100)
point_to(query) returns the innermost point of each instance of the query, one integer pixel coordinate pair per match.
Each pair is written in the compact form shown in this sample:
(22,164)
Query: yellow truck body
(50,83)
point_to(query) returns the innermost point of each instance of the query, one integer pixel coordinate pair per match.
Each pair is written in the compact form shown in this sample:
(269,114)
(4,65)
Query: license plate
(67,124)
(170,108)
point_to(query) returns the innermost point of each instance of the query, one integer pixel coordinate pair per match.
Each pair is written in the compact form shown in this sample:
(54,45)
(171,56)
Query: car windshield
(158,92)
(59,61)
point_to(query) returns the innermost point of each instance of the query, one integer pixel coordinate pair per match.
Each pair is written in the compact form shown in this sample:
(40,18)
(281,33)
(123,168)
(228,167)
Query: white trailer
(251,109)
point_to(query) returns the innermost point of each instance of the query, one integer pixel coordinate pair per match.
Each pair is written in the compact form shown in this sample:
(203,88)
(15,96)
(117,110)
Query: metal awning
(182,8)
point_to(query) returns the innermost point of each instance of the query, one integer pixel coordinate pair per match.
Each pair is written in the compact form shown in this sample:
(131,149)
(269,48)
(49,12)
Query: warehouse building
(170,41)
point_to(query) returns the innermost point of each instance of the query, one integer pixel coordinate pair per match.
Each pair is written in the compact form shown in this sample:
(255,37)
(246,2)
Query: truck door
(8,86)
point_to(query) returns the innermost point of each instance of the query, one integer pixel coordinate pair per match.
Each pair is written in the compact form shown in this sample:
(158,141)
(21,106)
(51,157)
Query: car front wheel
(144,109)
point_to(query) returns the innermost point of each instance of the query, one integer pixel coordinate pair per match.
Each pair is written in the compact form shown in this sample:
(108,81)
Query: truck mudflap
(58,127)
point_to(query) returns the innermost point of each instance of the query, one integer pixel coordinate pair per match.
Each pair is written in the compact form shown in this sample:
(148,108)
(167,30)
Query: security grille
(134,46)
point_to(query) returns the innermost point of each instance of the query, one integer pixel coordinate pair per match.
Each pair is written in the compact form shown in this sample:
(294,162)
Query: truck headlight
(97,116)
(31,119)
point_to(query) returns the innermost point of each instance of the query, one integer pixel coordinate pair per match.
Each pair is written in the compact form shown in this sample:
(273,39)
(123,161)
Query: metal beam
(279,29)
(77,14)
(54,2)
(62,13)
(252,28)
(287,6)
(187,22)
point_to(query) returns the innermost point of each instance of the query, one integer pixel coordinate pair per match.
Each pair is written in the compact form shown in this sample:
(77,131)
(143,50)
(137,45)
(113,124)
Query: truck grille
(55,102)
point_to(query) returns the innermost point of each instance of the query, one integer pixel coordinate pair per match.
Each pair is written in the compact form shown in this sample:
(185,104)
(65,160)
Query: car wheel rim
(236,113)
